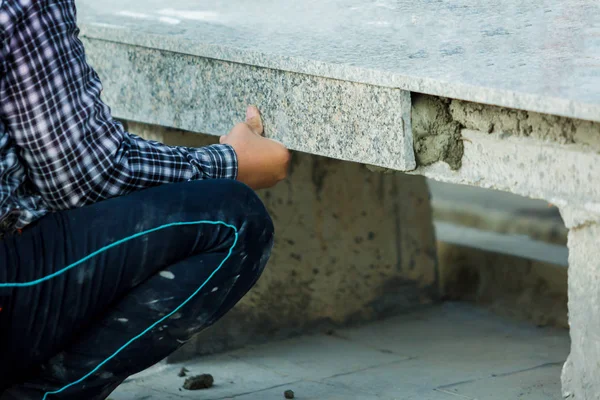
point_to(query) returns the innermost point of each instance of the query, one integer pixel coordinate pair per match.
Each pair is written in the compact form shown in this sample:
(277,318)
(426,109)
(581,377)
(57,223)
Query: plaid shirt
(59,146)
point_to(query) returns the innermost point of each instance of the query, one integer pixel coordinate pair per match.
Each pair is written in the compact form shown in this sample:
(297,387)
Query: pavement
(448,352)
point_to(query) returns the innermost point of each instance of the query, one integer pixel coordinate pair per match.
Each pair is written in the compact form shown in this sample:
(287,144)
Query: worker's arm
(50,103)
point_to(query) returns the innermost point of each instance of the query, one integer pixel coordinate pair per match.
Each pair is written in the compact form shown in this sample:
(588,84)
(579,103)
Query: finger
(254,120)
(221,139)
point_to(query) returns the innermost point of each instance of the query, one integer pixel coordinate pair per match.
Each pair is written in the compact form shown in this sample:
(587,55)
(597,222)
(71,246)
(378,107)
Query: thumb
(254,120)
(222,139)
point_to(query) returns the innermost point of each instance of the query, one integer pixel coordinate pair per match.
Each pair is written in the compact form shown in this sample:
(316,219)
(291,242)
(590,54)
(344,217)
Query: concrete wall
(351,246)
(508,285)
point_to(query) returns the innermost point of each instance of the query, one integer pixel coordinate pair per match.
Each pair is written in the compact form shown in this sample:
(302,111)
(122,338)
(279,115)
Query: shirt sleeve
(75,152)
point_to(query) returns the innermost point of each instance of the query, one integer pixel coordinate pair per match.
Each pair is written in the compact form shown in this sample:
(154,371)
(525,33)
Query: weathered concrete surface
(574,217)
(446,352)
(539,169)
(351,246)
(540,55)
(507,121)
(581,372)
(337,119)
(437,124)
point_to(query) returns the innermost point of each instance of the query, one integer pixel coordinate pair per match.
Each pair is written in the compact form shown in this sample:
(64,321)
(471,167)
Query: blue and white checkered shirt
(59,146)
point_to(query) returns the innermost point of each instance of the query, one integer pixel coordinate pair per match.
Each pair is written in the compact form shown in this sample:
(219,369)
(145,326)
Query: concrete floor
(448,352)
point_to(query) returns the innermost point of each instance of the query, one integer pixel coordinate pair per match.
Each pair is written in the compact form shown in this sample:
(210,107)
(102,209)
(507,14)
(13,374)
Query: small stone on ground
(198,382)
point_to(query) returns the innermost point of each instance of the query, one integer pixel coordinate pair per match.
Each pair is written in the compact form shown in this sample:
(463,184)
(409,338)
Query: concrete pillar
(581,372)
(351,246)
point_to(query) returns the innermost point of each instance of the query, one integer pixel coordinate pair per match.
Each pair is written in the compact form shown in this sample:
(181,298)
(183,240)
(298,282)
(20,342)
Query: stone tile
(460,353)
(501,53)
(232,378)
(450,344)
(311,391)
(409,379)
(536,384)
(326,117)
(315,357)
(131,391)
(419,379)
(463,334)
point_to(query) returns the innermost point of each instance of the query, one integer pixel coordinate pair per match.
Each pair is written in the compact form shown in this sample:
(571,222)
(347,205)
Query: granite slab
(337,119)
(540,55)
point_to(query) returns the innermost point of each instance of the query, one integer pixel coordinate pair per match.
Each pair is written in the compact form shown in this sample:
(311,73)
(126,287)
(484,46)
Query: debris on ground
(288,394)
(183,372)
(198,382)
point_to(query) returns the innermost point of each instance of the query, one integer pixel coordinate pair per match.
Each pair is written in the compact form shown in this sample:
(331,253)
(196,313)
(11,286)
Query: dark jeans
(56,332)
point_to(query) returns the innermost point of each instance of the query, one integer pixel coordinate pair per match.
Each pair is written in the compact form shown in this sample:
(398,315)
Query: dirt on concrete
(198,382)
(288,394)
(436,135)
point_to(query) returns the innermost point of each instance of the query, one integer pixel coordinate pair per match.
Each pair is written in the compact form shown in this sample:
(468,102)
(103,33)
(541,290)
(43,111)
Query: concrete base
(351,246)
(581,373)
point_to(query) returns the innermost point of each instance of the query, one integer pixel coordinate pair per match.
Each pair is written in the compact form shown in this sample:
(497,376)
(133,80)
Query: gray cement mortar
(436,135)
(506,121)
(437,123)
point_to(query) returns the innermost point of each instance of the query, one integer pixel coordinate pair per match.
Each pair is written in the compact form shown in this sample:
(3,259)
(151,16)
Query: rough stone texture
(580,377)
(507,121)
(576,217)
(508,285)
(351,246)
(540,55)
(342,120)
(560,174)
(437,123)
(436,135)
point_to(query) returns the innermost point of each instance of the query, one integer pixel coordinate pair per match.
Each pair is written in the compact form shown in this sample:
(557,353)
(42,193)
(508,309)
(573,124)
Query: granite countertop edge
(478,94)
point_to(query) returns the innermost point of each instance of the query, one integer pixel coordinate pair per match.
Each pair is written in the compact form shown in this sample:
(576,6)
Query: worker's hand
(262,162)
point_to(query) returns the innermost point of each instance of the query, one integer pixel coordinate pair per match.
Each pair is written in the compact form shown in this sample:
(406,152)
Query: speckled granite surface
(541,55)
(343,120)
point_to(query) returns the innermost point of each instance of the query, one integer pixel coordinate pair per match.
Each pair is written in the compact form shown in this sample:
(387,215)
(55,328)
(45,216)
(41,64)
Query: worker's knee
(256,231)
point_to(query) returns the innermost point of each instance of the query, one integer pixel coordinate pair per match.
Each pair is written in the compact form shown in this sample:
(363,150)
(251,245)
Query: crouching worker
(114,250)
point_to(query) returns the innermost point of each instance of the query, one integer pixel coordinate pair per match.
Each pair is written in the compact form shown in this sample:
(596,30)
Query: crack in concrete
(545,365)
(453,394)
(367,368)
(501,375)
